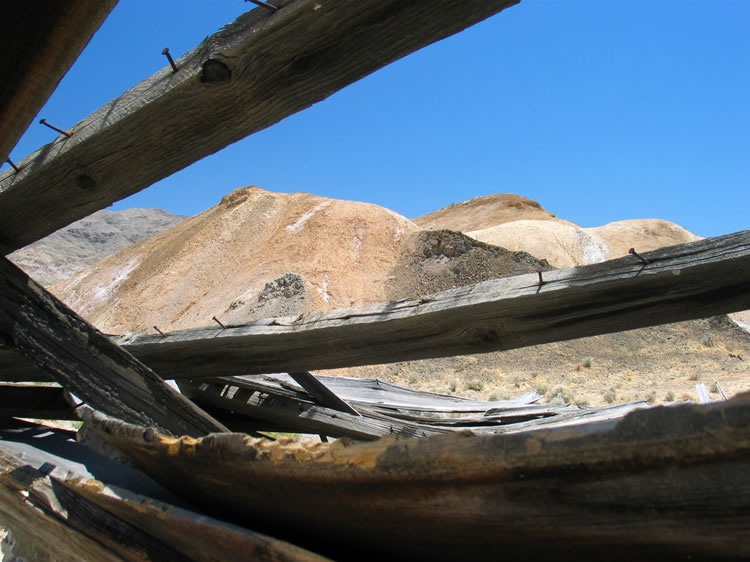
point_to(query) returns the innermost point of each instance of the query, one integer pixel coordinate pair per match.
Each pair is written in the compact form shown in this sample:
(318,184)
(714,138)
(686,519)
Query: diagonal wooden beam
(252,74)
(679,283)
(39,41)
(40,327)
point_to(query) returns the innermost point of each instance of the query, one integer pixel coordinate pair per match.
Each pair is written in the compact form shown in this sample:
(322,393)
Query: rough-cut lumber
(252,74)
(683,282)
(56,510)
(665,483)
(39,41)
(85,362)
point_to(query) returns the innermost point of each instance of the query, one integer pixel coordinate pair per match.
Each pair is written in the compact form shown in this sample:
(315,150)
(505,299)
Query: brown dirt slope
(484,212)
(256,254)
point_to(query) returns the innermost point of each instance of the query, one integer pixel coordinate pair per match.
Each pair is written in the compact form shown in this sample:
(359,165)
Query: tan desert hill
(235,259)
(566,245)
(485,212)
(260,254)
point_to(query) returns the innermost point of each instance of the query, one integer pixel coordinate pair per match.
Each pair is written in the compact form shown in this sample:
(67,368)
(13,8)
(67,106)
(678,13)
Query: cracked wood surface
(248,76)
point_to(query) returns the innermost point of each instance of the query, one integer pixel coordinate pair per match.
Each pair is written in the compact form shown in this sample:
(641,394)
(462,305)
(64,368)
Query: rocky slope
(80,245)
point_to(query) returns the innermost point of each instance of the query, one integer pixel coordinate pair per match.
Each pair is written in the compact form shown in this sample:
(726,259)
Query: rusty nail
(223,327)
(165,52)
(162,333)
(632,252)
(264,4)
(539,272)
(16,168)
(62,132)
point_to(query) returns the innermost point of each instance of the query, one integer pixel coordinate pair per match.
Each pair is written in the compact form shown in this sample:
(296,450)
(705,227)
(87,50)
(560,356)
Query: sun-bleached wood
(248,76)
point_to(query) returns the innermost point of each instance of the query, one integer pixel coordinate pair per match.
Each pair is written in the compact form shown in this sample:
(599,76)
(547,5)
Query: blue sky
(601,110)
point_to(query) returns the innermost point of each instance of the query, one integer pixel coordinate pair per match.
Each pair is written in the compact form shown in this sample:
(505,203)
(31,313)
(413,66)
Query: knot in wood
(215,72)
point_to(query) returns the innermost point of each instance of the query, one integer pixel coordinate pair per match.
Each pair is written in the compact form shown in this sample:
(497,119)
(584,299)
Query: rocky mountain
(80,245)
(261,254)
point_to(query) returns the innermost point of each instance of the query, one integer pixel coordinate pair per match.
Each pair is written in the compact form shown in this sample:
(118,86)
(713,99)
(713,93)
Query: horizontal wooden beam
(682,282)
(248,76)
(40,402)
(39,42)
(85,362)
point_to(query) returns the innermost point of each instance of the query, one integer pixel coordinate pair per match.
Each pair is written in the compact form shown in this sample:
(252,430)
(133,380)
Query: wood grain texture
(665,483)
(252,74)
(87,363)
(683,282)
(59,515)
(39,41)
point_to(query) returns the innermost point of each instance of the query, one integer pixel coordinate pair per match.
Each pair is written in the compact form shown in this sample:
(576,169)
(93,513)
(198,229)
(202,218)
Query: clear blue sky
(601,110)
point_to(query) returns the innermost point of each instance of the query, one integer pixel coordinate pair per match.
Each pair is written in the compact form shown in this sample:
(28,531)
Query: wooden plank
(41,402)
(57,512)
(322,393)
(87,363)
(248,76)
(39,41)
(683,282)
(664,483)
(297,416)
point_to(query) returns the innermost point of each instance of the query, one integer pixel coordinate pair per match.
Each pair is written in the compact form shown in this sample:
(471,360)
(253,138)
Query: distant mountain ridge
(80,245)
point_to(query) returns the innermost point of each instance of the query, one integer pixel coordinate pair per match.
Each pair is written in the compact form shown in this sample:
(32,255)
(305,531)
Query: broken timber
(41,328)
(682,282)
(248,76)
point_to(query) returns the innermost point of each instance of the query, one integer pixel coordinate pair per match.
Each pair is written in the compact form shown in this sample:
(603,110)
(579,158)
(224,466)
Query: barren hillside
(260,254)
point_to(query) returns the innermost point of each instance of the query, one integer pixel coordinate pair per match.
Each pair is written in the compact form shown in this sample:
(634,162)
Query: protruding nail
(61,131)
(541,281)
(266,5)
(632,252)
(162,333)
(16,168)
(165,52)
(223,327)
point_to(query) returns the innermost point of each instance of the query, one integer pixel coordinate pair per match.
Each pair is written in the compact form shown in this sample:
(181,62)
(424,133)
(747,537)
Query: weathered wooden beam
(248,76)
(84,361)
(683,282)
(321,392)
(664,483)
(39,41)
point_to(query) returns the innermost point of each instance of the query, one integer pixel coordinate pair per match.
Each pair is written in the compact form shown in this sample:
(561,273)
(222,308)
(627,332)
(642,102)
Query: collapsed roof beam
(248,76)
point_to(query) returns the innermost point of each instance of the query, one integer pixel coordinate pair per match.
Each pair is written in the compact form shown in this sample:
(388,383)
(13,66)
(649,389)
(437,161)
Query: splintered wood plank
(248,76)
(683,282)
(84,361)
(39,41)
(664,483)
(299,416)
(54,513)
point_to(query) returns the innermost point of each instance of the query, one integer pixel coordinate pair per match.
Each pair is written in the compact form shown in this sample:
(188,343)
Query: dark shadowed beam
(39,41)
(85,362)
(679,283)
(252,74)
